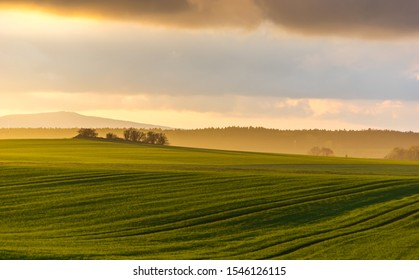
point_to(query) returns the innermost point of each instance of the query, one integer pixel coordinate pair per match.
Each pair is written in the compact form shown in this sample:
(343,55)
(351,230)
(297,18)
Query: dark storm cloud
(376,18)
(345,17)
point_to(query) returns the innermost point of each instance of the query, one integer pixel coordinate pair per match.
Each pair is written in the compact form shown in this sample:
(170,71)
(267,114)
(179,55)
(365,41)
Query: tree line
(411,153)
(130,134)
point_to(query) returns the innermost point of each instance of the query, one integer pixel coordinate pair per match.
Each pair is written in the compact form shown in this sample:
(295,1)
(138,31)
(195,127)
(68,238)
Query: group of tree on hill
(404,154)
(317,151)
(87,133)
(149,137)
(130,134)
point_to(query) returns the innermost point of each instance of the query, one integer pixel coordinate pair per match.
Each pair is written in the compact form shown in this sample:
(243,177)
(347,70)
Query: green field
(81,199)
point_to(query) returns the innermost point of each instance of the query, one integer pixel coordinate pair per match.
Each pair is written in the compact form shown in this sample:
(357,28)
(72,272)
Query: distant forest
(352,143)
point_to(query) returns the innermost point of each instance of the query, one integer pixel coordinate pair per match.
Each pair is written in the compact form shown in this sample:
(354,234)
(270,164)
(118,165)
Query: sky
(287,64)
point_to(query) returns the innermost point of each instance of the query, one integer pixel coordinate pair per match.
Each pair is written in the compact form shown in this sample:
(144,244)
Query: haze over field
(343,143)
(200,63)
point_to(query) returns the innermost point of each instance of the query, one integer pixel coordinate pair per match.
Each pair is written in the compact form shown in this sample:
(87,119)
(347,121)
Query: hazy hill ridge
(67,120)
(353,143)
(369,143)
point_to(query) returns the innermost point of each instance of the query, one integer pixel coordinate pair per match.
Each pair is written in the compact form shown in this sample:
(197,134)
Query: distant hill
(352,143)
(67,120)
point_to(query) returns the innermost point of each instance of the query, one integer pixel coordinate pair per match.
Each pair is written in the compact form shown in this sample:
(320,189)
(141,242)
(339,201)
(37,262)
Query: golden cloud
(362,18)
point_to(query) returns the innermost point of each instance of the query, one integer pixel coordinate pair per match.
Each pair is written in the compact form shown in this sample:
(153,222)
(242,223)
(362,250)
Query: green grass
(80,199)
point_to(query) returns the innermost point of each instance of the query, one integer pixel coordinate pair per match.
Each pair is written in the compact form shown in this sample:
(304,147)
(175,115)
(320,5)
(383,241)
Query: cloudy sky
(330,64)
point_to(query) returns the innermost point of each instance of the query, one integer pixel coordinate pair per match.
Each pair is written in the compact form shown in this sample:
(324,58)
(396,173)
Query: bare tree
(327,152)
(134,135)
(111,135)
(150,138)
(315,151)
(161,139)
(127,134)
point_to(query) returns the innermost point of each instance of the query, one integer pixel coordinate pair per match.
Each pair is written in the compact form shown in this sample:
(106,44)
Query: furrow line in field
(259,202)
(52,181)
(319,240)
(342,227)
(112,178)
(231,214)
(114,192)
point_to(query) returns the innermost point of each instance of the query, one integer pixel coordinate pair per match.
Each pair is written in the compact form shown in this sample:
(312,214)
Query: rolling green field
(81,199)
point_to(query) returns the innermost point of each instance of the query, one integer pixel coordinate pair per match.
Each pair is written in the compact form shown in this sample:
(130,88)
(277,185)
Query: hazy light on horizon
(207,76)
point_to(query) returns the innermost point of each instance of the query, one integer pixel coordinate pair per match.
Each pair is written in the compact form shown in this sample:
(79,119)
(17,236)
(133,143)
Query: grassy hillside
(79,199)
(353,143)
